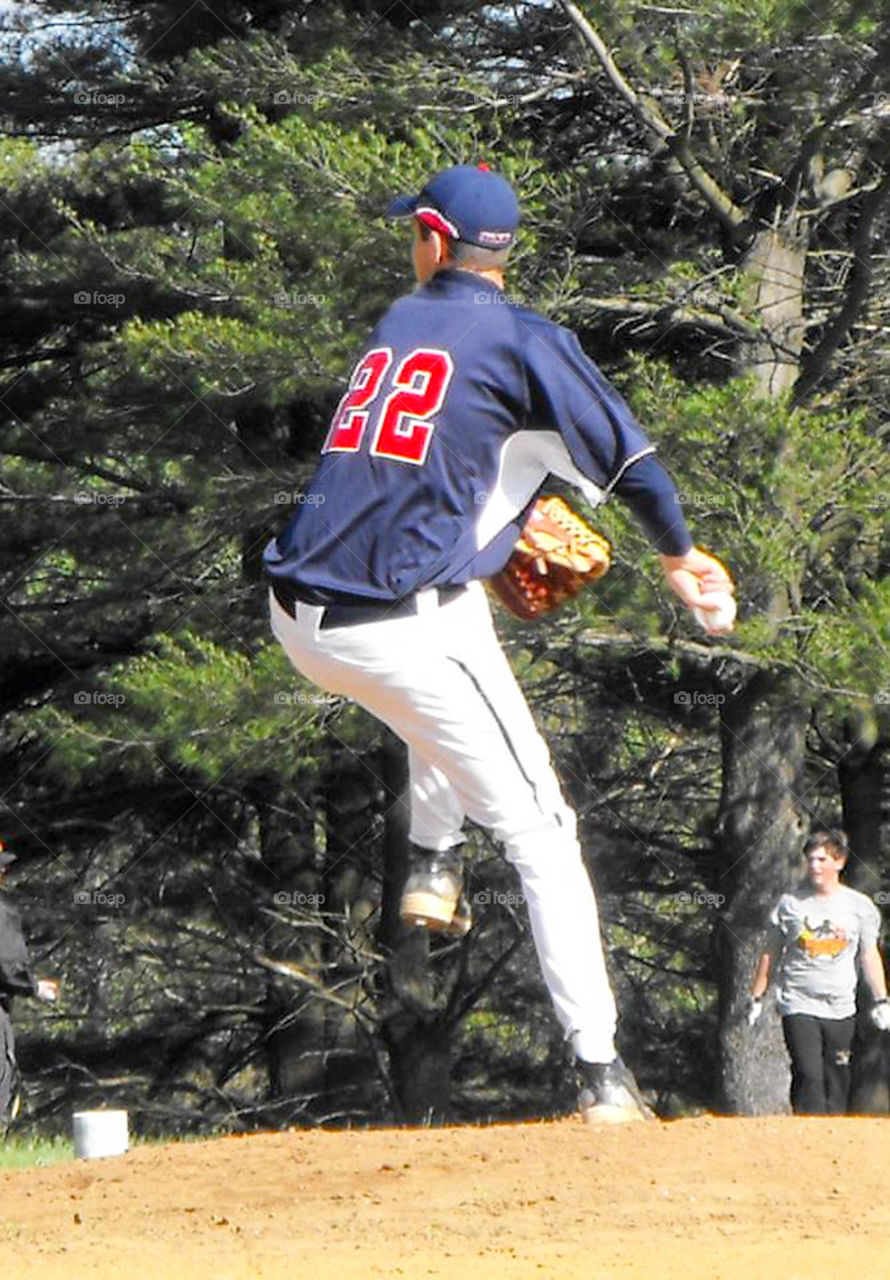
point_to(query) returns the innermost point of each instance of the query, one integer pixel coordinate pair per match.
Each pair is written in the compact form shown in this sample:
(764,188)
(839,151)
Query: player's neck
(493,275)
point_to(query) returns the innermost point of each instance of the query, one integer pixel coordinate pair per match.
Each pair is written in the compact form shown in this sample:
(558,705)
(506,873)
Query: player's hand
(754,1010)
(47,990)
(880,1014)
(696,576)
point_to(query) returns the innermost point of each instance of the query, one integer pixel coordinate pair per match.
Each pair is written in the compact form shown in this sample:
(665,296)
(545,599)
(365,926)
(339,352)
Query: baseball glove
(556,557)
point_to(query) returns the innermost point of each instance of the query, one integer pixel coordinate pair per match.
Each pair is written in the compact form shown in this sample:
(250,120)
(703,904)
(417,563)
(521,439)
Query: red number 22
(404,426)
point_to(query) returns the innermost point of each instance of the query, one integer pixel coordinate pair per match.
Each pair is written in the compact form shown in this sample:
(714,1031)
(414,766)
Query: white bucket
(100,1133)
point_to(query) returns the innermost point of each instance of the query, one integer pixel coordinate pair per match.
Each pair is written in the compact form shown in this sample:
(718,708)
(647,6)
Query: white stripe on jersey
(526,460)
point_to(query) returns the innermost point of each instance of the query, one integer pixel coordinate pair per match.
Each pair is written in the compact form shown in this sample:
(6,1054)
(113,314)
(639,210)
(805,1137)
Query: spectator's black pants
(820,1063)
(8,1070)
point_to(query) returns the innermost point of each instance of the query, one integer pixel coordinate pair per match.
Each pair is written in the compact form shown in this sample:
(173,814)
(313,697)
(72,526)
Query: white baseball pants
(440,680)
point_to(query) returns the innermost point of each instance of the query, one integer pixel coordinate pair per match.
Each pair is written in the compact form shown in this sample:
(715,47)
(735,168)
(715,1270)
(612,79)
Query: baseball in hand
(716,612)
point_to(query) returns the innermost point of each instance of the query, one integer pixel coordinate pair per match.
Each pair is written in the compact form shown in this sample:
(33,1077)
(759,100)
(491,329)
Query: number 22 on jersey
(403,420)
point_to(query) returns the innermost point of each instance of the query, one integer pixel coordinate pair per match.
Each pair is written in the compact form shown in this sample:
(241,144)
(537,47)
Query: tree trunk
(415,1029)
(774,266)
(296,1024)
(763,732)
(760,826)
(352,803)
(861,772)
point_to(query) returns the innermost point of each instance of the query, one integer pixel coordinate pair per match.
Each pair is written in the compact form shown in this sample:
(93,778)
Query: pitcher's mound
(705,1199)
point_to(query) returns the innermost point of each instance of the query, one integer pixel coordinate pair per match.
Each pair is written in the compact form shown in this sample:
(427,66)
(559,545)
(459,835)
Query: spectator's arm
(873,972)
(762,975)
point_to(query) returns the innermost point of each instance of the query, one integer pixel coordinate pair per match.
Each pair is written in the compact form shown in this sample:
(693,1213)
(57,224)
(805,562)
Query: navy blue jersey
(460,407)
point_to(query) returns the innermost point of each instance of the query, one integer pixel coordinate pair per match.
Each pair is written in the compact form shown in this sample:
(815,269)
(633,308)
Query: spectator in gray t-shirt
(820,936)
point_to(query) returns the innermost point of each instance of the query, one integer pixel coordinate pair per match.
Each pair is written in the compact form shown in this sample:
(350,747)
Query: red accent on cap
(484,166)
(433,219)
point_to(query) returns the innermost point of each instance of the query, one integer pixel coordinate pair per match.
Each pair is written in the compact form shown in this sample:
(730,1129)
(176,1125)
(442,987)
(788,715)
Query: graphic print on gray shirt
(818,941)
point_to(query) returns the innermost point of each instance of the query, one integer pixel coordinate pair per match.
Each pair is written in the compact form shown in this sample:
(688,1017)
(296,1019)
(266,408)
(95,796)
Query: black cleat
(609,1094)
(433,896)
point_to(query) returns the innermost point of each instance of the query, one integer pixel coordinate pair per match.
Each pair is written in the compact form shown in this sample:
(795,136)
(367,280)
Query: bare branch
(652,119)
(723,322)
(295,973)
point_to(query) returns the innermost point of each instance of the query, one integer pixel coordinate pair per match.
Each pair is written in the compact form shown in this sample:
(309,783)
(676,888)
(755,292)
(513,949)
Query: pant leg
(437,815)
(837,1044)
(803,1037)
(8,1069)
(441,681)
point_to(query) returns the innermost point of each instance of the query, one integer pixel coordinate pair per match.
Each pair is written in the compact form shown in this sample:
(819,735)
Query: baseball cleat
(609,1094)
(433,896)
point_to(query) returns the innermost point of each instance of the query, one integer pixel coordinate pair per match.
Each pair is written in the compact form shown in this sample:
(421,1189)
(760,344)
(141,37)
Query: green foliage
(786,497)
(197,705)
(731,27)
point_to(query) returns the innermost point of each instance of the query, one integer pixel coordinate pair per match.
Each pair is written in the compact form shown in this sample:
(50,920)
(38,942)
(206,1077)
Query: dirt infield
(703,1199)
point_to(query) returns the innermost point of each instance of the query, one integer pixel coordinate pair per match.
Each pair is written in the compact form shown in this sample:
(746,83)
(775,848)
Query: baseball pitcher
(459,408)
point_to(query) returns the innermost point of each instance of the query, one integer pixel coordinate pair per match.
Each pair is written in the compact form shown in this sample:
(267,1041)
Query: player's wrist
(697,560)
(682,560)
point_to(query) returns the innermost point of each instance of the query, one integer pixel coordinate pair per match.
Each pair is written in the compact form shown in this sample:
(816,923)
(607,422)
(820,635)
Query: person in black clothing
(16,979)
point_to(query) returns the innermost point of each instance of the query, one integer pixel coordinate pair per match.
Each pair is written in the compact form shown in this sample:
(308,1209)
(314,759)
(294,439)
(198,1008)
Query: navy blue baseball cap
(468,203)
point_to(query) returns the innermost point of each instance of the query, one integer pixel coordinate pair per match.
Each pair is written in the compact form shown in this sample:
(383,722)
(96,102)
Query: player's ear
(440,247)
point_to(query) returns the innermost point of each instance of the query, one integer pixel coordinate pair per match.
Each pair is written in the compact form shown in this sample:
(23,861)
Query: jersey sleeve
(652,496)
(568,392)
